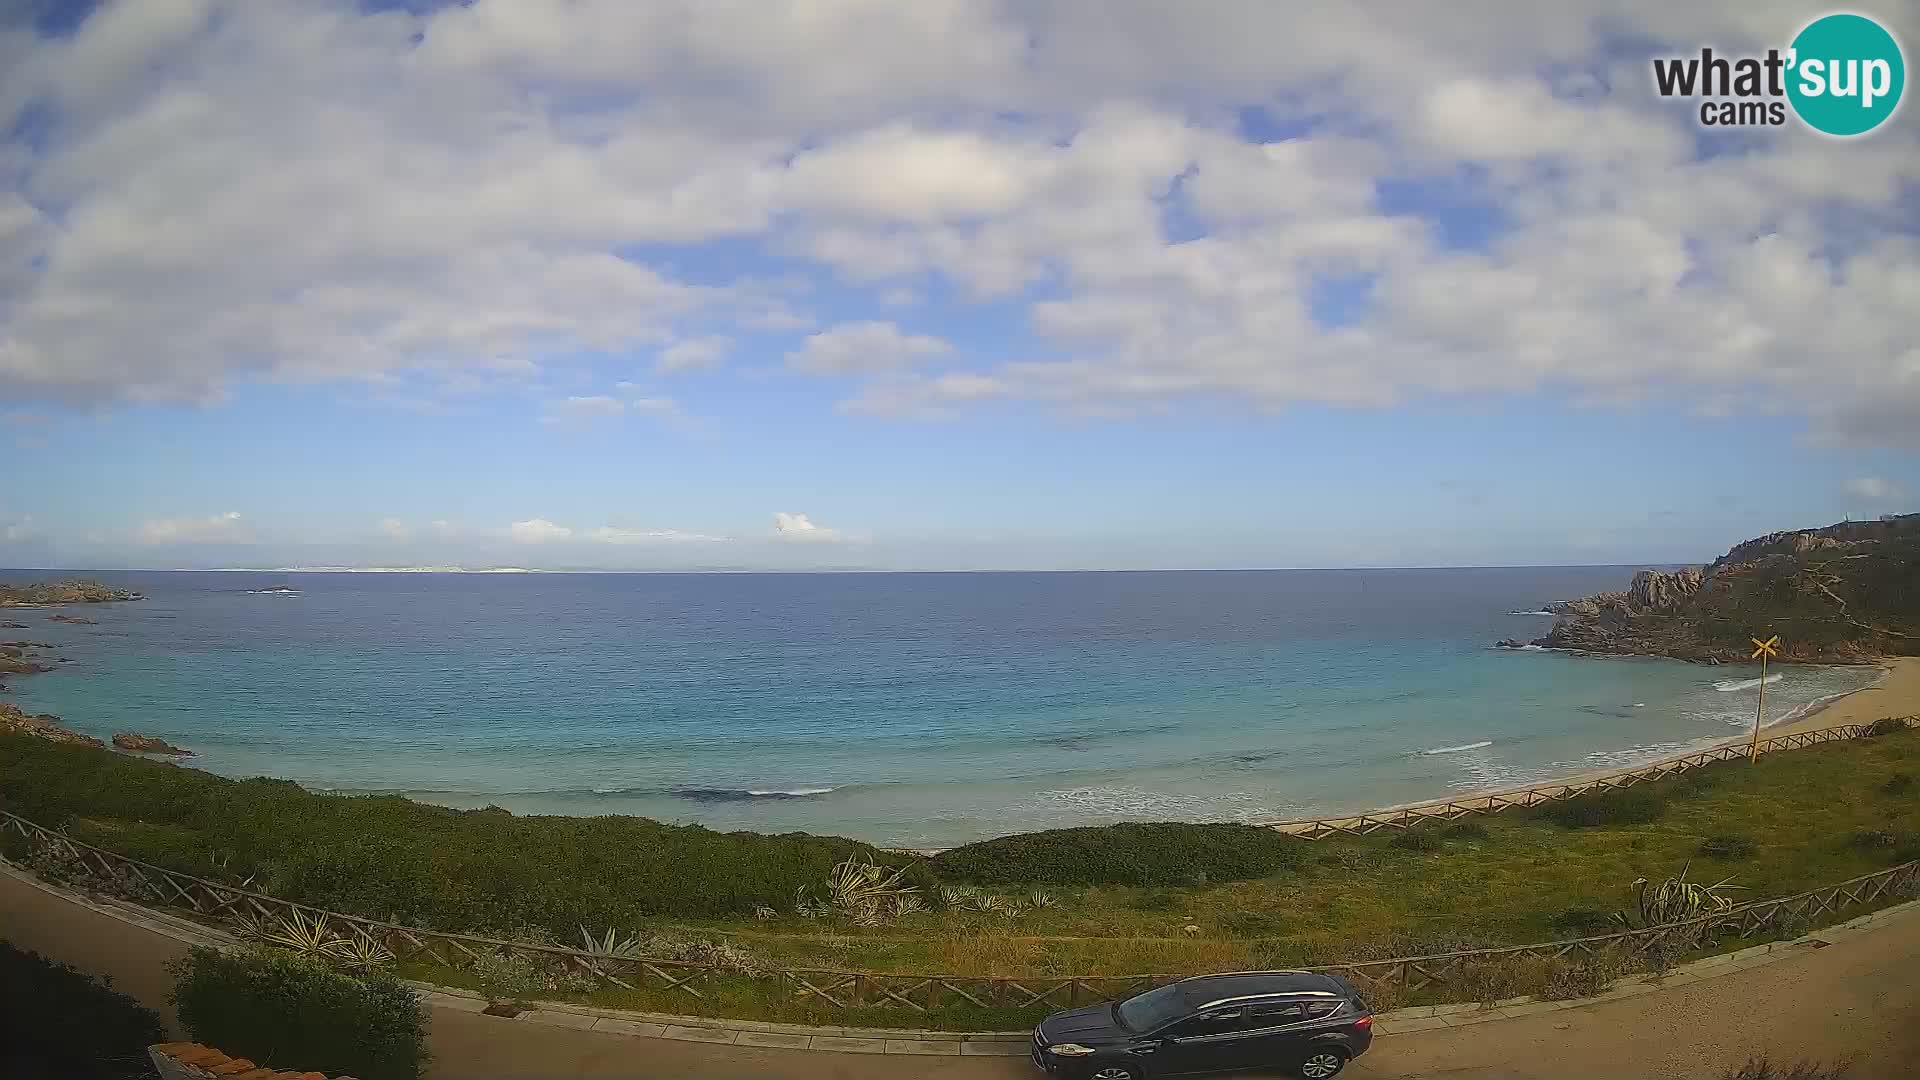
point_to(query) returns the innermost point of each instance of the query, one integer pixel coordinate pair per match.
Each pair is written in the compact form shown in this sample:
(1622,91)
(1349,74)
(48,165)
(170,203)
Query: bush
(47,1004)
(1157,900)
(1418,840)
(430,866)
(1253,924)
(1583,922)
(286,1012)
(1886,726)
(1761,1068)
(1898,784)
(1465,830)
(1587,976)
(1870,839)
(1162,853)
(1632,806)
(1728,846)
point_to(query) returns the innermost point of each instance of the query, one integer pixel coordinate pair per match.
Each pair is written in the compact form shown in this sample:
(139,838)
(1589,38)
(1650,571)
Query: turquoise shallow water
(912,709)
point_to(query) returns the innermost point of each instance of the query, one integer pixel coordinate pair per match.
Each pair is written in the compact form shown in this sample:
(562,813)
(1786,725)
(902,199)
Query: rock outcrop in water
(17,721)
(54,593)
(147,744)
(1847,592)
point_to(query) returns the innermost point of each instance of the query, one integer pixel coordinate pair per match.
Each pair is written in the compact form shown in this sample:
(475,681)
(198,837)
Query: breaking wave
(1458,749)
(1728,686)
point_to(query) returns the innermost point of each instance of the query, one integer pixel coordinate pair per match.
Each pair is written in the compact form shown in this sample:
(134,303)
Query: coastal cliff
(1846,592)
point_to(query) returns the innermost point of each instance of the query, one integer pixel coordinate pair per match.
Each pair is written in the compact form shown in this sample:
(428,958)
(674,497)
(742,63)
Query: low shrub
(1253,924)
(1588,975)
(1583,922)
(1632,806)
(1729,846)
(1898,784)
(1156,900)
(1495,978)
(47,1004)
(1418,840)
(1761,1068)
(286,1012)
(1870,839)
(1465,830)
(429,866)
(1886,726)
(1160,853)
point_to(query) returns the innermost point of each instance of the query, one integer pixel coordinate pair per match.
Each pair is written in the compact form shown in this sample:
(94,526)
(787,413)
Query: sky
(949,284)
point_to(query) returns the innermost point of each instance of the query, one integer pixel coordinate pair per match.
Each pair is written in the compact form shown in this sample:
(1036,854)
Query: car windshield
(1153,1008)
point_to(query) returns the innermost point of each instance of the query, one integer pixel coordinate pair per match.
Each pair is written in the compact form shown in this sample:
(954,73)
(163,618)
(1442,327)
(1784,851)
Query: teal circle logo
(1846,76)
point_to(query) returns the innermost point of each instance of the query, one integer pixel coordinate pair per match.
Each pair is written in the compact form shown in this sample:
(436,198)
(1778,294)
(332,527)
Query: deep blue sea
(912,709)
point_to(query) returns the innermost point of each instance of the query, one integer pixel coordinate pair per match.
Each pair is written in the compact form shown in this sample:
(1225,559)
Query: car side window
(1218,1022)
(1284,1012)
(1318,1009)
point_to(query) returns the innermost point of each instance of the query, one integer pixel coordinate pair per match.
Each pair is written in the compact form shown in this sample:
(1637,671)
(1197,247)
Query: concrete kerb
(926,1043)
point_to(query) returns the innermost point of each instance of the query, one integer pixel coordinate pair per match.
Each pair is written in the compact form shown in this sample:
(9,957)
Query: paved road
(1860,995)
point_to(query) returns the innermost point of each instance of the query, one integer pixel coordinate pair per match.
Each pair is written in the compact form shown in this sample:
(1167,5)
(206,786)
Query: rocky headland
(17,721)
(1844,593)
(147,744)
(55,593)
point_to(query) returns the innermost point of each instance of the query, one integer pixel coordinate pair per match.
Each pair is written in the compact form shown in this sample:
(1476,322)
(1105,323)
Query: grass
(1514,878)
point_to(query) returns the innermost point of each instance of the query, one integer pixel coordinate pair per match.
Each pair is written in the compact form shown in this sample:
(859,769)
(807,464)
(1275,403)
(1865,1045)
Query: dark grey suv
(1310,1023)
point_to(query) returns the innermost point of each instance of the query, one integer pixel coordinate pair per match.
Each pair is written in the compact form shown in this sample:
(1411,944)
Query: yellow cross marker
(1761,650)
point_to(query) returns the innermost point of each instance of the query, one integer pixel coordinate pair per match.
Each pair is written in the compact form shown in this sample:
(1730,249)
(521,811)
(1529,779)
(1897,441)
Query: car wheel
(1117,1070)
(1321,1064)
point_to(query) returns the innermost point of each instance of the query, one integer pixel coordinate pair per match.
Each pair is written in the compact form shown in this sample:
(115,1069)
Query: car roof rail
(1242,974)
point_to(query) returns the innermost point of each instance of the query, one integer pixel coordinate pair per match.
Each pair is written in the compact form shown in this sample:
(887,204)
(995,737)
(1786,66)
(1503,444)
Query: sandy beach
(1897,693)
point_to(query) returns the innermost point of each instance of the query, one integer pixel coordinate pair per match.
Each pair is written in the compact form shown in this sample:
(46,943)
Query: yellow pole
(1753,751)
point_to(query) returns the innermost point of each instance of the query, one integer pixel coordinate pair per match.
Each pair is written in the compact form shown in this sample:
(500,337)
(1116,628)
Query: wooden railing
(139,881)
(1494,802)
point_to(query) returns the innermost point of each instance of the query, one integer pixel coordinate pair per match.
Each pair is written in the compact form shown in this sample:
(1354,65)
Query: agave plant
(856,884)
(764,913)
(360,952)
(1039,898)
(907,904)
(309,935)
(250,925)
(996,904)
(957,896)
(1677,899)
(613,946)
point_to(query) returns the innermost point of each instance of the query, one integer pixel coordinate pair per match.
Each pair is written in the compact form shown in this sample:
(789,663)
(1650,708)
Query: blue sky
(845,284)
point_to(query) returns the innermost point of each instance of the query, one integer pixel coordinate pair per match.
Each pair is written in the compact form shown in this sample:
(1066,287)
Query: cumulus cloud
(799,528)
(1874,489)
(227,528)
(395,529)
(537,531)
(864,347)
(466,192)
(693,353)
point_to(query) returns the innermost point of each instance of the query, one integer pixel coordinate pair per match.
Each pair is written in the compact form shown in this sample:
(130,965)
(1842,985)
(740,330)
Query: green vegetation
(426,865)
(1631,806)
(1729,846)
(290,1012)
(1120,900)
(1130,854)
(56,1021)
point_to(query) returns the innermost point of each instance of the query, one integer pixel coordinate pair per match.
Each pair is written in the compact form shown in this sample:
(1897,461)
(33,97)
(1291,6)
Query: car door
(1212,1041)
(1276,1034)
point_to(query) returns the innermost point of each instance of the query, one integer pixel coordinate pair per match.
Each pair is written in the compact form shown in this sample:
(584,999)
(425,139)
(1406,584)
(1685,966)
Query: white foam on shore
(1458,749)
(1541,611)
(795,792)
(1728,686)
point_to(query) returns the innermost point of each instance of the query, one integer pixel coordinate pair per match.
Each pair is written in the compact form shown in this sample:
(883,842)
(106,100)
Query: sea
(915,710)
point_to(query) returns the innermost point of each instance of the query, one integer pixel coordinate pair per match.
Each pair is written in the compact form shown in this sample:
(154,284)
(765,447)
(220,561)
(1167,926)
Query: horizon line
(507,571)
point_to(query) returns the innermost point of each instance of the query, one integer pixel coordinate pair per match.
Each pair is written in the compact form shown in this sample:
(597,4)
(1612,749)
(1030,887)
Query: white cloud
(227,528)
(864,347)
(693,353)
(799,528)
(1874,489)
(607,534)
(583,410)
(460,195)
(395,529)
(537,531)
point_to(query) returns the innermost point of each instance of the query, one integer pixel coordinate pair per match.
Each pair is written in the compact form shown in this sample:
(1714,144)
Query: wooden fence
(1494,802)
(132,879)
